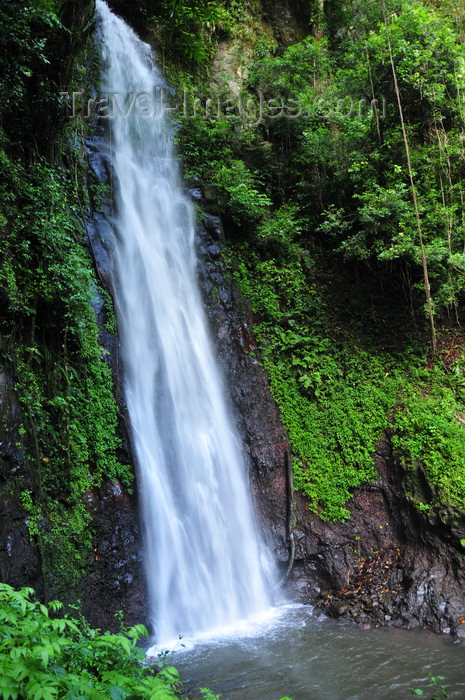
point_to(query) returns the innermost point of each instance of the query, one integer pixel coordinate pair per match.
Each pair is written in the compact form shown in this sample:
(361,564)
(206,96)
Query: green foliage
(48,284)
(186,32)
(334,398)
(437,688)
(50,337)
(24,29)
(206,144)
(430,433)
(344,156)
(338,391)
(188,26)
(325,246)
(278,231)
(37,39)
(207,694)
(238,194)
(43,657)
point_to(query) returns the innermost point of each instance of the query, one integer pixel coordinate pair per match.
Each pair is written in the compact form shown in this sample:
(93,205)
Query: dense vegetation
(49,334)
(43,657)
(331,140)
(317,192)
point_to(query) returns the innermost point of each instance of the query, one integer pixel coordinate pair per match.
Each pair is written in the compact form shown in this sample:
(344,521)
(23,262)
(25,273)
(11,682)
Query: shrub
(44,657)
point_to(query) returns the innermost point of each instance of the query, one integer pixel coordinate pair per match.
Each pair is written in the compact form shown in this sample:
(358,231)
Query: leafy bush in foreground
(43,657)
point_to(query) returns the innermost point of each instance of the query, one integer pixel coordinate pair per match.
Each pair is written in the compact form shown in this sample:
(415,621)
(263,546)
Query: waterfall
(205,564)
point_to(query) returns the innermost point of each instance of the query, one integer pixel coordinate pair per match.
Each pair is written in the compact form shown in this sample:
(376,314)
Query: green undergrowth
(338,391)
(321,238)
(45,657)
(429,435)
(186,34)
(49,339)
(50,342)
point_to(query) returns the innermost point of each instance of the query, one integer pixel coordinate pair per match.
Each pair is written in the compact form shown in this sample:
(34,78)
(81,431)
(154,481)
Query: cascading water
(205,566)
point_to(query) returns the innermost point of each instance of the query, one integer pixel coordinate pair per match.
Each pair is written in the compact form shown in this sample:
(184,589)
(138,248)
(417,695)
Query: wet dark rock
(100,236)
(215,277)
(98,156)
(116,579)
(100,166)
(11,455)
(19,558)
(387,557)
(213,226)
(338,608)
(214,251)
(256,414)
(195,193)
(227,302)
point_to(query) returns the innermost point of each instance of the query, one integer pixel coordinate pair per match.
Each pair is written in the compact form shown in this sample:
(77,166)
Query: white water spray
(205,565)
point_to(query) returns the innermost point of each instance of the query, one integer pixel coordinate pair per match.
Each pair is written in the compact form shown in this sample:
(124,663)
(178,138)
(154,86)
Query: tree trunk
(429,302)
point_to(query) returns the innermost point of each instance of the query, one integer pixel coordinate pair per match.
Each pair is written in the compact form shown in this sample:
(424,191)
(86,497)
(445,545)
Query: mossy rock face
(291,21)
(11,443)
(19,558)
(62,434)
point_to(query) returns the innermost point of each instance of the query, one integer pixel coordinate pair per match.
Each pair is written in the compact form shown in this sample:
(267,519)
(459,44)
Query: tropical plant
(43,657)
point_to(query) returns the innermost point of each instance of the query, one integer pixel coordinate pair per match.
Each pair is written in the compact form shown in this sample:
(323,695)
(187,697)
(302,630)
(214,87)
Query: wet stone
(195,194)
(225,298)
(213,226)
(216,277)
(100,167)
(214,251)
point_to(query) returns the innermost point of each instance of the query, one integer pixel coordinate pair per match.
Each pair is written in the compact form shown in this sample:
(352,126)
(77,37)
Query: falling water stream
(205,566)
(208,574)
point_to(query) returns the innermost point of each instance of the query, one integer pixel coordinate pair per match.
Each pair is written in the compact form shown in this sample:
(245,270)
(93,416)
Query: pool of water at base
(303,655)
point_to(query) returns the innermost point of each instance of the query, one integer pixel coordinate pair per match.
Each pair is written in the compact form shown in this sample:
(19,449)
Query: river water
(307,656)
